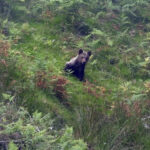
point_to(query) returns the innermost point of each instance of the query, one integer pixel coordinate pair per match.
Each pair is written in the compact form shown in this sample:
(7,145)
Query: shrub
(21,130)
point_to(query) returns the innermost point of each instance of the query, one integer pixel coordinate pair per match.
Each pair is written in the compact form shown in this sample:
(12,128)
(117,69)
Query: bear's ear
(89,53)
(80,51)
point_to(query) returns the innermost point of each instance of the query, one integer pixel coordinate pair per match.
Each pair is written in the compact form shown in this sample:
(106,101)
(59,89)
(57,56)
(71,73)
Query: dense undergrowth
(110,110)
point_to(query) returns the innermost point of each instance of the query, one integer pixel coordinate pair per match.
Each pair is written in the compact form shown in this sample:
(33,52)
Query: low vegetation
(42,107)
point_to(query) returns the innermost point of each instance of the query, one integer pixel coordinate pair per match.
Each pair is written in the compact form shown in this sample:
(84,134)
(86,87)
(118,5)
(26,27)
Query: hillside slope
(110,111)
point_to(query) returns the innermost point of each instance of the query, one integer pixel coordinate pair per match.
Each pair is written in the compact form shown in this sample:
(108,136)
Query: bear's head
(83,56)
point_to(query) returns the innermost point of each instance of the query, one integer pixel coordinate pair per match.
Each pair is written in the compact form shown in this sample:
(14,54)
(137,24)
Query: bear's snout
(83,61)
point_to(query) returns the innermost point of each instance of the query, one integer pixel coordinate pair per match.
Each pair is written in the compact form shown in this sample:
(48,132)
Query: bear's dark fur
(77,64)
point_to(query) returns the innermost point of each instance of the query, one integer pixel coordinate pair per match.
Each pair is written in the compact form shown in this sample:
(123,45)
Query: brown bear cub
(77,64)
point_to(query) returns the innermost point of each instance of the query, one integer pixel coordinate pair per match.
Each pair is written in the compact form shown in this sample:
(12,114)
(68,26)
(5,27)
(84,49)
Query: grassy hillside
(110,110)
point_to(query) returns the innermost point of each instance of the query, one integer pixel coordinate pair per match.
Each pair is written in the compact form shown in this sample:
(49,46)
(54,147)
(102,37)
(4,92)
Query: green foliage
(35,132)
(37,37)
(67,142)
(12,146)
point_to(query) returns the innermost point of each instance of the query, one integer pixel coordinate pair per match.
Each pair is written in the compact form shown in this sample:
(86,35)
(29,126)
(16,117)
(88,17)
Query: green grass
(99,110)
